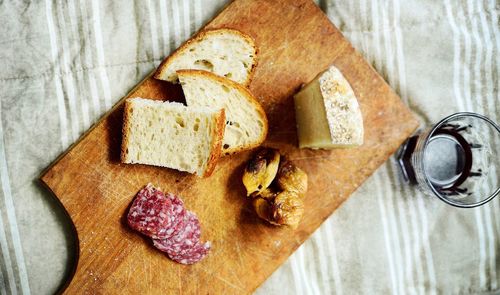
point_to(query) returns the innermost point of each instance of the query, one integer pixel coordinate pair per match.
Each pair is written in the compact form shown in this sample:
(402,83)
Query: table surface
(64,65)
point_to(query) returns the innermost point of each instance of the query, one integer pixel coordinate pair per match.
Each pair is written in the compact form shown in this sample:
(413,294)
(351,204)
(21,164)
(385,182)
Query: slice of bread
(328,113)
(169,134)
(225,52)
(246,121)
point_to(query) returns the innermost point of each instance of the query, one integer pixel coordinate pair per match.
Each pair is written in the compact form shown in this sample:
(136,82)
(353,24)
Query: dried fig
(287,208)
(267,194)
(262,208)
(261,171)
(292,178)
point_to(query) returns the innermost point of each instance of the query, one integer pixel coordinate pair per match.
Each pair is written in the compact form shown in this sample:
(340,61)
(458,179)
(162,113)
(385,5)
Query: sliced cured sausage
(175,230)
(150,213)
(185,247)
(187,236)
(175,215)
(191,255)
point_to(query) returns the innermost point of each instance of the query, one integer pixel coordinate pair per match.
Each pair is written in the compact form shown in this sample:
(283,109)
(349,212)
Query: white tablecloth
(65,63)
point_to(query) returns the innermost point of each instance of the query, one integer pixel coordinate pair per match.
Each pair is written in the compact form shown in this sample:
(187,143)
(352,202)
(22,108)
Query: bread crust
(246,93)
(216,147)
(199,37)
(125,130)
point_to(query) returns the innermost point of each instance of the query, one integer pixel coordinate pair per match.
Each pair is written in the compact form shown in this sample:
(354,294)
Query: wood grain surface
(296,41)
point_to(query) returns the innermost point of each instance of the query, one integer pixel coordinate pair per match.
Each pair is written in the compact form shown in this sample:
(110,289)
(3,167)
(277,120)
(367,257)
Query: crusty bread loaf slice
(327,113)
(169,134)
(246,121)
(225,52)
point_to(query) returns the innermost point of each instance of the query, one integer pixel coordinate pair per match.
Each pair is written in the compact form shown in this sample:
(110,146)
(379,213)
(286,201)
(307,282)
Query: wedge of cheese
(327,113)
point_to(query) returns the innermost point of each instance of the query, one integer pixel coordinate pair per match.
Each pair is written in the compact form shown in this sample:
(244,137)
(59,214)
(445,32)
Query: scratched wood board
(296,41)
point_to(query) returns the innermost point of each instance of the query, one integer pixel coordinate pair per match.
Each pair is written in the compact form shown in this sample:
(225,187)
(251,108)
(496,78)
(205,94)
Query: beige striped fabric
(64,63)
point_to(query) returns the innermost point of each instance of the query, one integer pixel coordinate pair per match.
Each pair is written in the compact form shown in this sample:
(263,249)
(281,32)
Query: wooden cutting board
(296,41)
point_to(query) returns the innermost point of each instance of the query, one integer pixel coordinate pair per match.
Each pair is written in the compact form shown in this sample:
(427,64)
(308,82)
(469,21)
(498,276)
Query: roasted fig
(277,188)
(262,208)
(292,178)
(261,171)
(287,208)
(267,194)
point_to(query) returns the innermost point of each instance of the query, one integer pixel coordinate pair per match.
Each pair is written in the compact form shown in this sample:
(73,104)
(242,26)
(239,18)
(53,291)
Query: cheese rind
(327,113)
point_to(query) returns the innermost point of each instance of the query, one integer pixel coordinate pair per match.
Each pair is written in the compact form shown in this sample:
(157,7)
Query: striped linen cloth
(64,63)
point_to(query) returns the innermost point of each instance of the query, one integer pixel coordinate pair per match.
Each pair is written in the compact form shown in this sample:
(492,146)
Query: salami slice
(187,236)
(176,214)
(174,229)
(185,246)
(191,255)
(150,213)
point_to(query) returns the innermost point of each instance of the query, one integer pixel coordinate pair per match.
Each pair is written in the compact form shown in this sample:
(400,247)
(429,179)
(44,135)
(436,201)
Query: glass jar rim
(426,143)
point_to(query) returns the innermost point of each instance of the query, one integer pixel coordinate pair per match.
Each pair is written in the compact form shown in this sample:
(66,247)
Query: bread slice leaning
(246,121)
(169,134)
(225,52)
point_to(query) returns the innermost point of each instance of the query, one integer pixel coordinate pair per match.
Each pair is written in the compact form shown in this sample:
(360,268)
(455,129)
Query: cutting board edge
(119,102)
(378,165)
(71,273)
(43,174)
(46,180)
